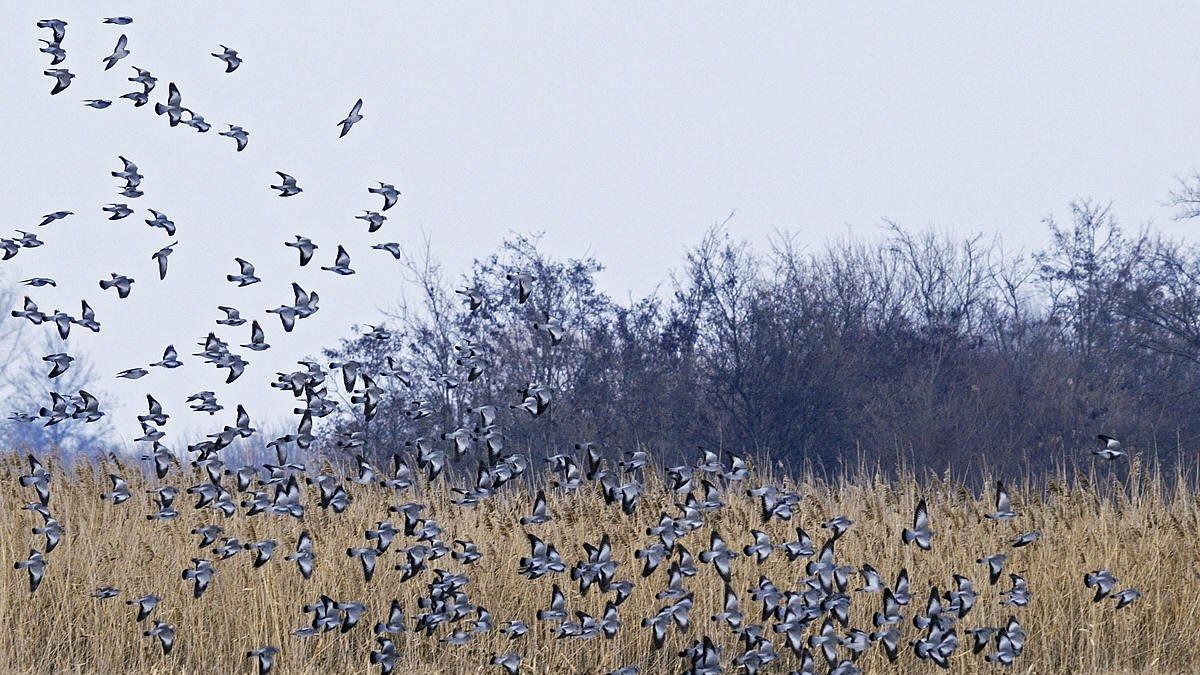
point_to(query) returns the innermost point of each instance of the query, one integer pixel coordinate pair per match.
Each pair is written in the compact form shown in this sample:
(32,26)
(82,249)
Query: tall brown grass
(1143,529)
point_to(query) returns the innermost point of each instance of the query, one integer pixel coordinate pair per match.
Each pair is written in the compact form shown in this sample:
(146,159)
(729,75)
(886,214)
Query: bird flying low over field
(1110,448)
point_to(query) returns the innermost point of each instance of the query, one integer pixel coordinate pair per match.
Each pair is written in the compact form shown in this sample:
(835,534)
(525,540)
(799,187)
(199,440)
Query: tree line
(937,351)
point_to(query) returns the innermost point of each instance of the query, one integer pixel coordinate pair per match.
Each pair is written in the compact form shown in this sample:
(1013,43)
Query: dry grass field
(1147,534)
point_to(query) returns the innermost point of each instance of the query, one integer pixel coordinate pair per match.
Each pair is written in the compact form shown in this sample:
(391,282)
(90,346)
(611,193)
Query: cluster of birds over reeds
(806,615)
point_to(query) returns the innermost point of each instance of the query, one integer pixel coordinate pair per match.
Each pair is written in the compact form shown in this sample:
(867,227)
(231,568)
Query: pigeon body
(1110,448)
(287,186)
(117,211)
(920,533)
(353,118)
(264,657)
(341,265)
(305,246)
(119,52)
(62,79)
(230,57)
(160,258)
(389,193)
(173,108)
(238,134)
(246,277)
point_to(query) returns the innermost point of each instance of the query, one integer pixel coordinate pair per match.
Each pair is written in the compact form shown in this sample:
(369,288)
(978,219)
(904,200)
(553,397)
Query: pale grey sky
(621,130)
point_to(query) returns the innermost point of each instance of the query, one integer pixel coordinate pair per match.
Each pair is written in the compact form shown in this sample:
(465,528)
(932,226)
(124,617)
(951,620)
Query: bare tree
(1186,197)
(26,389)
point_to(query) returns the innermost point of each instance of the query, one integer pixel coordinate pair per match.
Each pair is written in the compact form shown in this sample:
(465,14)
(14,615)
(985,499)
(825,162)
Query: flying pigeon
(524,284)
(1110,448)
(288,187)
(1103,581)
(160,257)
(122,283)
(145,605)
(351,119)
(170,359)
(230,57)
(342,264)
(265,657)
(61,362)
(197,122)
(238,134)
(920,532)
(374,219)
(120,490)
(173,110)
(62,78)
(58,26)
(55,50)
(119,52)
(247,275)
(161,220)
(388,192)
(305,246)
(35,565)
(1003,510)
(1127,596)
(57,215)
(390,247)
(232,316)
(165,633)
(143,78)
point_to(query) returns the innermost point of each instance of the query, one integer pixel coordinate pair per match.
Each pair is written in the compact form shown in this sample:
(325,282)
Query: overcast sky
(621,131)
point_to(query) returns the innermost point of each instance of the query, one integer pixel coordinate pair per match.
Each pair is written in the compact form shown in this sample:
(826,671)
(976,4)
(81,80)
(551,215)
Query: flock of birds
(809,617)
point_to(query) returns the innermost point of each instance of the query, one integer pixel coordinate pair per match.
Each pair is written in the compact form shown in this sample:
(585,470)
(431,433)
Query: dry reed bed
(1147,534)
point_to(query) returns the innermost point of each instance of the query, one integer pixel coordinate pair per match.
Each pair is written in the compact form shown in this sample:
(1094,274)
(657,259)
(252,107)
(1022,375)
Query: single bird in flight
(230,57)
(351,119)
